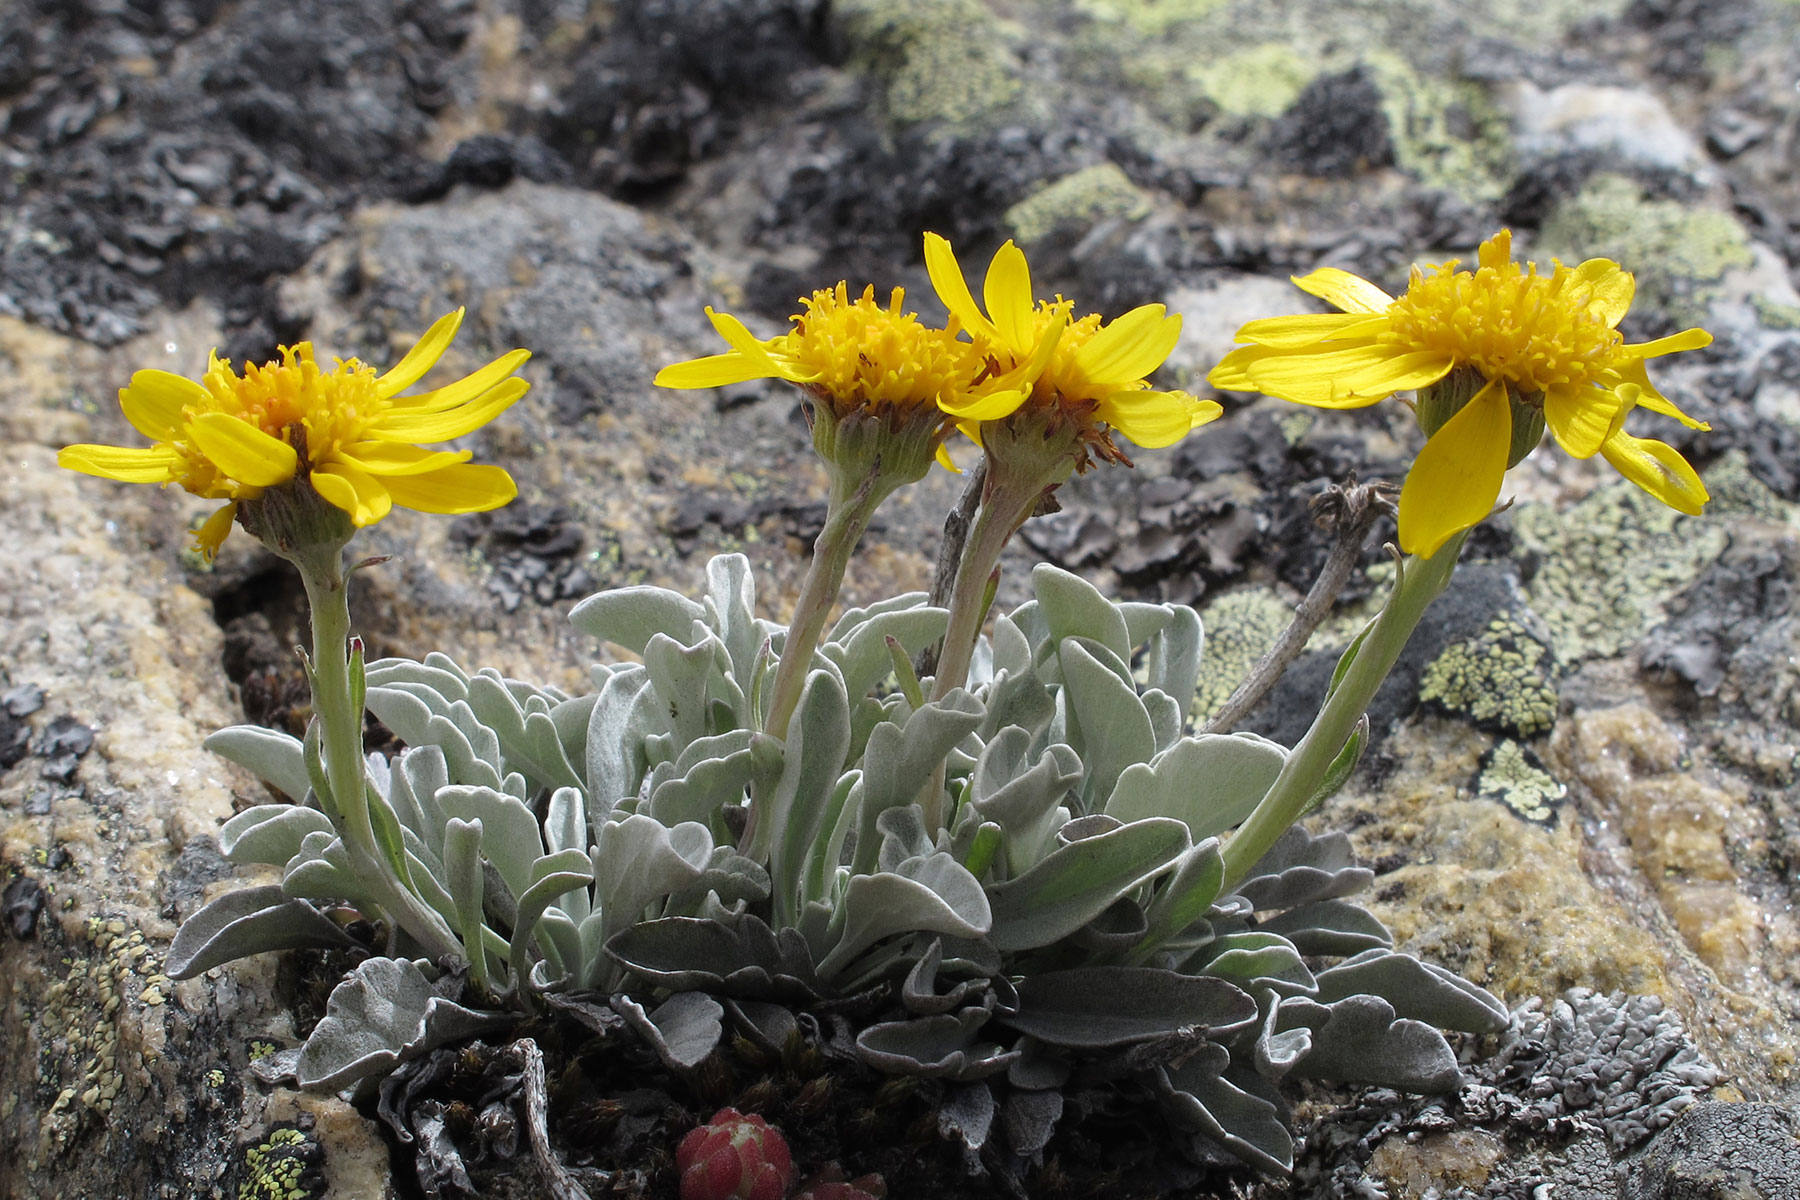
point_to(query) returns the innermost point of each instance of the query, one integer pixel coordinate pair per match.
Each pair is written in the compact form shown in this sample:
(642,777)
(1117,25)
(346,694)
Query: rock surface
(1588,772)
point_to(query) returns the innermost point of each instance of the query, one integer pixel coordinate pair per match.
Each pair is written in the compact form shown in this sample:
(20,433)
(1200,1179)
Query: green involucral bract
(1073,906)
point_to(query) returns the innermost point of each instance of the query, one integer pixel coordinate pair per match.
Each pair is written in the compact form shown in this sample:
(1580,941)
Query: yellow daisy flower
(348,431)
(1091,377)
(1544,349)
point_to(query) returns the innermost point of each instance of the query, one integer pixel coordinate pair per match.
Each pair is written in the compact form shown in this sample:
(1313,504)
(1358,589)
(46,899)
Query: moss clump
(283,1166)
(1513,775)
(1609,565)
(1500,680)
(1263,81)
(941,60)
(1240,627)
(1678,254)
(1090,195)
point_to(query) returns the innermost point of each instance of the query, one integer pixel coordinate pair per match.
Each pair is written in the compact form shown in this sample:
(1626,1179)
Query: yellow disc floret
(858,353)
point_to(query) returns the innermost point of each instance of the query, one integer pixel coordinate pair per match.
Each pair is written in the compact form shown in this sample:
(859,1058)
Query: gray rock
(1722,1151)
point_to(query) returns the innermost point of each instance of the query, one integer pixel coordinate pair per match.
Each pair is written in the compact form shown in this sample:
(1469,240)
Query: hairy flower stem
(340,723)
(1418,582)
(847,516)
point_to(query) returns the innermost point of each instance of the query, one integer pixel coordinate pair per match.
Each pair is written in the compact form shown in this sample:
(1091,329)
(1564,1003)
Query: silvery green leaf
(967,1114)
(796,812)
(1144,620)
(424,771)
(824,859)
(919,993)
(465,882)
(270,833)
(1358,1039)
(1105,938)
(1076,883)
(248,921)
(565,820)
(638,861)
(402,710)
(1028,620)
(1185,896)
(564,873)
(382,1014)
(560,937)
(631,616)
(1166,718)
(623,717)
(1073,607)
(731,613)
(1029,1119)
(864,658)
(697,791)
(1421,990)
(1108,725)
(1329,927)
(903,835)
(1172,657)
(683,1030)
(932,893)
(1095,1008)
(1299,869)
(679,673)
(1198,1096)
(855,617)
(946,1046)
(1210,781)
(528,741)
(1260,958)
(1023,796)
(900,759)
(441,677)
(321,870)
(466,763)
(570,719)
(740,957)
(1016,698)
(1011,649)
(510,836)
(274,757)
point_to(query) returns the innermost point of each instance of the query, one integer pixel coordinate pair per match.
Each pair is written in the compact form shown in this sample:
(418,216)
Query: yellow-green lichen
(1263,81)
(1513,775)
(1609,565)
(1447,133)
(941,60)
(1772,314)
(260,1049)
(1088,196)
(215,1078)
(283,1166)
(1677,253)
(1499,680)
(1240,627)
(1151,17)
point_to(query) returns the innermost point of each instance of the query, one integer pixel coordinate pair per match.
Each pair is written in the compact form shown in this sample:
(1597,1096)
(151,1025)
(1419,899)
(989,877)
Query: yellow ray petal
(1657,468)
(421,358)
(1352,377)
(946,462)
(1687,339)
(1456,478)
(460,489)
(354,490)
(1153,419)
(441,427)
(214,530)
(1581,419)
(715,370)
(400,458)
(242,451)
(466,388)
(124,463)
(739,337)
(1307,329)
(153,402)
(989,407)
(1007,290)
(1352,293)
(947,278)
(1655,401)
(1610,289)
(1131,347)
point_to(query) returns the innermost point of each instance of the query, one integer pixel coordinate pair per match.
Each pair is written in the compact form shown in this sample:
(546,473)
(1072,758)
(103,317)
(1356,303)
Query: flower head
(1492,353)
(1085,375)
(346,431)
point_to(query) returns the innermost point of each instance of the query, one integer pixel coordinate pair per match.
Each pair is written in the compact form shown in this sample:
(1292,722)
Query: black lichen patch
(1337,127)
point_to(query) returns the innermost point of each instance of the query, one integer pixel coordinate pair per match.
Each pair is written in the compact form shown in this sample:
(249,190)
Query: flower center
(1534,331)
(867,356)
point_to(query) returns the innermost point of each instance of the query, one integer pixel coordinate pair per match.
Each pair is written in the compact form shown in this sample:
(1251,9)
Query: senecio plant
(1018,873)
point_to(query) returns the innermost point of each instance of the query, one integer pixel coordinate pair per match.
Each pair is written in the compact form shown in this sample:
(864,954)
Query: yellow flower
(1536,346)
(1086,373)
(347,430)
